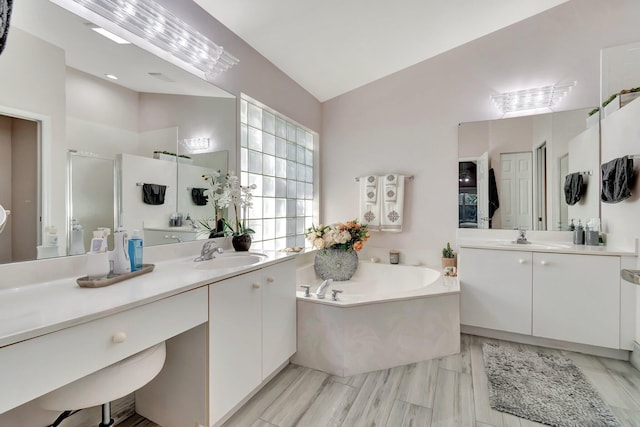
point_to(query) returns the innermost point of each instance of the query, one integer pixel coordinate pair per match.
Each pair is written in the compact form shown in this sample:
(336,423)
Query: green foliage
(448,252)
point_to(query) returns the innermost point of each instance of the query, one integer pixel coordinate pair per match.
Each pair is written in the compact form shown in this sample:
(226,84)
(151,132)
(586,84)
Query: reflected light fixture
(152,27)
(196,143)
(529,99)
(111,76)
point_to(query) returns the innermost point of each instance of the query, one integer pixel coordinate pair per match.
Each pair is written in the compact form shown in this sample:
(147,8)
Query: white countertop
(36,309)
(545,246)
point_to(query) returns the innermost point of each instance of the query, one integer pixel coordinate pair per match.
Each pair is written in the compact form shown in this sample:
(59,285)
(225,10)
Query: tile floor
(451,391)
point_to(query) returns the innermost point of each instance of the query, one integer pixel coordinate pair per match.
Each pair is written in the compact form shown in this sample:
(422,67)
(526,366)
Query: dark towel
(198,196)
(617,177)
(573,188)
(153,194)
(494,202)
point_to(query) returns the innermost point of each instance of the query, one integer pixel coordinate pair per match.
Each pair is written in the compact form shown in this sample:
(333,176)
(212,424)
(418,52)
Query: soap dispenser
(121,262)
(578,234)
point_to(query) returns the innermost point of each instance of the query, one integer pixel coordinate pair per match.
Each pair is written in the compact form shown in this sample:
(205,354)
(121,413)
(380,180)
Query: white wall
(407,122)
(584,156)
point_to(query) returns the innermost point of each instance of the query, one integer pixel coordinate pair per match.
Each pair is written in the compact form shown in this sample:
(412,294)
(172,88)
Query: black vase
(218,231)
(241,243)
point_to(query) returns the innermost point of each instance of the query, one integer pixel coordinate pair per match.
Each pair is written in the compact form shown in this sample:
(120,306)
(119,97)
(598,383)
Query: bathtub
(387,315)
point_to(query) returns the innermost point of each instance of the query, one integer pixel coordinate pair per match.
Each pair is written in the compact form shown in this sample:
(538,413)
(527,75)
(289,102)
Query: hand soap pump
(578,234)
(135,250)
(121,263)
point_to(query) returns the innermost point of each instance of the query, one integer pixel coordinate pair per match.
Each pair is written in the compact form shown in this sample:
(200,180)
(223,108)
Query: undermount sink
(531,245)
(231,260)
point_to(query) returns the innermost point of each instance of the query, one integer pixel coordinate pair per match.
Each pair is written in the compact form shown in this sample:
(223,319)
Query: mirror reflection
(75,143)
(513,171)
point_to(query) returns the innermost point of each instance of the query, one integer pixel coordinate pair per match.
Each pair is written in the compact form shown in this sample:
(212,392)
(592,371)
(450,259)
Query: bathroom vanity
(226,329)
(571,294)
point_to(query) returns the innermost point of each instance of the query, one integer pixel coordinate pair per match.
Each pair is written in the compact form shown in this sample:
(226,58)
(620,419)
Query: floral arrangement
(350,235)
(224,194)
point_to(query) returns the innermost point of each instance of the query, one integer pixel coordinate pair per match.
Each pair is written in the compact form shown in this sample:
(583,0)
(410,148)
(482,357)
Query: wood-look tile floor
(450,391)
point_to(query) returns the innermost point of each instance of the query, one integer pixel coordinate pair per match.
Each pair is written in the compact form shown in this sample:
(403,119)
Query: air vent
(162,77)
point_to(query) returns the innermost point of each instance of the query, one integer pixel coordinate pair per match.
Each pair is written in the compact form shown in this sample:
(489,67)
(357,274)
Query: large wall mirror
(512,171)
(76,146)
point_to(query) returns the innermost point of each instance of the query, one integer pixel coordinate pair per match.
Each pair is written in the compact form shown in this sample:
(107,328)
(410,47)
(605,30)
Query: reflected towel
(198,197)
(617,180)
(393,206)
(370,201)
(494,200)
(573,188)
(153,194)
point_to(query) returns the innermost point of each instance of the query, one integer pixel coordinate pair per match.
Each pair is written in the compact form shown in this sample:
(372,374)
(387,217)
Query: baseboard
(635,355)
(546,342)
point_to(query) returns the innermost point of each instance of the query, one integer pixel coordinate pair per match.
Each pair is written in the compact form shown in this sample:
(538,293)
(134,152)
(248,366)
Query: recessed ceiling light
(108,34)
(111,76)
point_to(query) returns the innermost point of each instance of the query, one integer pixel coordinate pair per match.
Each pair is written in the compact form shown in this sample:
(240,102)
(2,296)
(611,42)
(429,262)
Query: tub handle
(334,294)
(306,290)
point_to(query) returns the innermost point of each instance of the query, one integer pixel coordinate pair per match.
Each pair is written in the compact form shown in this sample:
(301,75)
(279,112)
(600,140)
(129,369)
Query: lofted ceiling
(334,46)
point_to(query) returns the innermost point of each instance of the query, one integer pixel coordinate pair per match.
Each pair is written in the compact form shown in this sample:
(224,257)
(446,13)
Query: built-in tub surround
(39,314)
(387,315)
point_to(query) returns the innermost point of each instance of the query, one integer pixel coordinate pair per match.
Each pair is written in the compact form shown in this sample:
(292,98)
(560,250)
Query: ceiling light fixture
(152,27)
(108,34)
(529,99)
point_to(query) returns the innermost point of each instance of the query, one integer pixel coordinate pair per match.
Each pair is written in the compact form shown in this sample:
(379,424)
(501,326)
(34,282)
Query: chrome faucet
(208,251)
(522,236)
(322,289)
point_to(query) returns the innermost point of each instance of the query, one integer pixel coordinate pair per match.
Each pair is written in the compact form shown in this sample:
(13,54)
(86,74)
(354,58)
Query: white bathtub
(386,316)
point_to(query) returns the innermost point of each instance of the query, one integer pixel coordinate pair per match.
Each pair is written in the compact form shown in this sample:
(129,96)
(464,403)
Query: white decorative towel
(393,203)
(370,199)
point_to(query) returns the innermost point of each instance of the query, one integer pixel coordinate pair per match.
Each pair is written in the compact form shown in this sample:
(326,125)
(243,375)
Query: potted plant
(448,256)
(215,193)
(340,243)
(239,197)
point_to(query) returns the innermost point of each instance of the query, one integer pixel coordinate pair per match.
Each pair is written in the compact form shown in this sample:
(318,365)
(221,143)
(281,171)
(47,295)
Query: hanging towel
(617,178)
(573,188)
(370,201)
(153,194)
(494,201)
(393,204)
(198,197)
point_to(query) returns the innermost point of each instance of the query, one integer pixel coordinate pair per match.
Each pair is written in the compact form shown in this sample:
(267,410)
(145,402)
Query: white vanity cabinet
(495,289)
(252,332)
(577,298)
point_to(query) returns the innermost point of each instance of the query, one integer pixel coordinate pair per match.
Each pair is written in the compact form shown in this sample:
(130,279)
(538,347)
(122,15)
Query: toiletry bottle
(572,226)
(77,239)
(98,266)
(578,234)
(50,236)
(121,263)
(135,250)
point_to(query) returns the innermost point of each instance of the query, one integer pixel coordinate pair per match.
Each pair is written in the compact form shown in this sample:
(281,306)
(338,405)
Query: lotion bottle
(135,250)
(121,262)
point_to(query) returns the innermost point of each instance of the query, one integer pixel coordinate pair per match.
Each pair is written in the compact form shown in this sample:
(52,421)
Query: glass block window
(276,155)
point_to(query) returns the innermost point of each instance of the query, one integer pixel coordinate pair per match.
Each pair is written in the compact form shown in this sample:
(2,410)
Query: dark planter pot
(241,243)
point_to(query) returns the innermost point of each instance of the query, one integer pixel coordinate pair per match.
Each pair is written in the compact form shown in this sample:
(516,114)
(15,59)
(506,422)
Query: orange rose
(358,246)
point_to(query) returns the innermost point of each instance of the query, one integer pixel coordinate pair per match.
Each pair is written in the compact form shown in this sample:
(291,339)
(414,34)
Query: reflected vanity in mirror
(512,171)
(76,142)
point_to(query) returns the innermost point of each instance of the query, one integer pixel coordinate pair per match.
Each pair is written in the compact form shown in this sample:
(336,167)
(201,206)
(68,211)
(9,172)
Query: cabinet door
(495,289)
(235,344)
(279,315)
(577,298)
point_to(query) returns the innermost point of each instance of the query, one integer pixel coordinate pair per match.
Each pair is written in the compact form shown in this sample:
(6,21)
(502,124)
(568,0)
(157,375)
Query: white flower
(319,243)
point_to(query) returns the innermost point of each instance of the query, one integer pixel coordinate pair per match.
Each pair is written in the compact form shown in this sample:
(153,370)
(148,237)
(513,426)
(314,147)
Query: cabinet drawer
(34,367)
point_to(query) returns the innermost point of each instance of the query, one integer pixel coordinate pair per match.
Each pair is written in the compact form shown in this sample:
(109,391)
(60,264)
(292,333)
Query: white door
(482,182)
(516,183)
